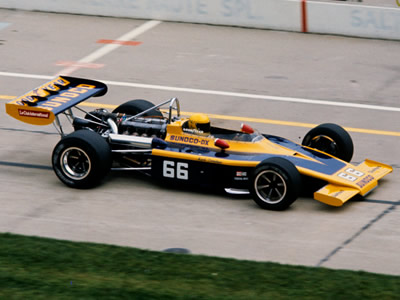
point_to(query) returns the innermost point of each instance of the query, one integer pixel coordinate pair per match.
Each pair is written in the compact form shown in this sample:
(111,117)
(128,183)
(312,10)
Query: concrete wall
(320,17)
(281,14)
(354,20)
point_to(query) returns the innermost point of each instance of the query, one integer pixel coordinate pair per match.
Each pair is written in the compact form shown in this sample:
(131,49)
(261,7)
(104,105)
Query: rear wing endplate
(41,105)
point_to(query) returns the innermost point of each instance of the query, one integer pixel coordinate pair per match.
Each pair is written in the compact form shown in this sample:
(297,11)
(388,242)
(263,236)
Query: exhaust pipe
(134,141)
(137,141)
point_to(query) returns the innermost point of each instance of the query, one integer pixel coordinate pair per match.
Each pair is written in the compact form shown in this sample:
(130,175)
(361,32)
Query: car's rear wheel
(82,159)
(133,107)
(275,184)
(331,139)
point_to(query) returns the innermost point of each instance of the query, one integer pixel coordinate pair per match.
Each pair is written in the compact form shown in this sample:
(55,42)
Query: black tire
(82,159)
(331,139)
(275,184)
(133,107)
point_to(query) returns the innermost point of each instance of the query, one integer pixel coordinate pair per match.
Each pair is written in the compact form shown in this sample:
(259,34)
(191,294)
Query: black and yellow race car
(140,136)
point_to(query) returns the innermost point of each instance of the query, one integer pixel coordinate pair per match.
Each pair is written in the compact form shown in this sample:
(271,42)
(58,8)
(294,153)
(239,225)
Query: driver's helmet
(199,122)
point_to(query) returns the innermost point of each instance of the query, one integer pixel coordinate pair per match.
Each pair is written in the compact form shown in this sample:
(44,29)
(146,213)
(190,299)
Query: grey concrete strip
(358,233)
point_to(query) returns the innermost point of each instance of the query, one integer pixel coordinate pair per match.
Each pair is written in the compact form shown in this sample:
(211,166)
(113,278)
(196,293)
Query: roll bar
(172,102)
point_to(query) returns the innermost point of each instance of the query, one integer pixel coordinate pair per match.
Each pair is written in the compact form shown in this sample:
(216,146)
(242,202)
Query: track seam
(358,233)
(24,165)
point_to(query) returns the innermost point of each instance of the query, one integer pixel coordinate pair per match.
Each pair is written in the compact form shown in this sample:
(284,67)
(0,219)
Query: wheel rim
(270,186)
(324,143)
(75,163)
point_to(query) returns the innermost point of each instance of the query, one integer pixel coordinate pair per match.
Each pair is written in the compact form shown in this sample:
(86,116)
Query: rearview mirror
(222,144)
(246,128)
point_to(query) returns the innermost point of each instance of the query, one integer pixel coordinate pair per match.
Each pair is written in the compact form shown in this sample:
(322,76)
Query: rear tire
(133,107)
(331,139)
(82,159)
(275,184)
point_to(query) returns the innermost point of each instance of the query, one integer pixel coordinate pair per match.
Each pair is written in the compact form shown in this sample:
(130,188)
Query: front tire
(275,184)
(331,139)
(82,159)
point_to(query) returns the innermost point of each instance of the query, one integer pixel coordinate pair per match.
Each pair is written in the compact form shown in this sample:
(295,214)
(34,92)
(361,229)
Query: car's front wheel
(331,139)
(82,159)
(275,184)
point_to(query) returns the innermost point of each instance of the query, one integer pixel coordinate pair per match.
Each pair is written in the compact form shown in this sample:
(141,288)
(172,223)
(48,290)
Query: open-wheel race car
(140,136)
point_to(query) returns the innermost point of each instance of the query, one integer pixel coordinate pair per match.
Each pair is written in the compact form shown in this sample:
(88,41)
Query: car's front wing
(361,179)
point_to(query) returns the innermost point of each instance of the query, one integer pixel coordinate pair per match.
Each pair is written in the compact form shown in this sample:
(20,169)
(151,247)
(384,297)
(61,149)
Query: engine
(98,121)
(144,127)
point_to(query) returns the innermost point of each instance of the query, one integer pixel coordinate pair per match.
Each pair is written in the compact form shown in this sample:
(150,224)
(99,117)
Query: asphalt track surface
(280,83)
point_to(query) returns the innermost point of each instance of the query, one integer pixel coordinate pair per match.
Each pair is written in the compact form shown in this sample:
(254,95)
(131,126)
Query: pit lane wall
(354,20)
(289,15)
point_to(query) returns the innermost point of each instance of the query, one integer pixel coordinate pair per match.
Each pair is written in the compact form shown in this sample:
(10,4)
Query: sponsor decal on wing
(33,114)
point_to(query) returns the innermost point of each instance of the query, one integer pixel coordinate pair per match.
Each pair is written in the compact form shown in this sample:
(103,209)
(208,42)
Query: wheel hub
(325,144)
(270,186)
(75,163)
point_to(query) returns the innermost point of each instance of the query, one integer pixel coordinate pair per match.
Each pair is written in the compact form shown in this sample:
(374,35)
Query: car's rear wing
(41,105)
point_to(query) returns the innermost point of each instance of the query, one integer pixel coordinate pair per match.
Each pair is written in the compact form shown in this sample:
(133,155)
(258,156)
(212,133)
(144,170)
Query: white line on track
(111,47)
(221,93)
(253,96)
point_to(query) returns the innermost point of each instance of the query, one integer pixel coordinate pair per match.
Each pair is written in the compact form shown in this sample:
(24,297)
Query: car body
(139,136)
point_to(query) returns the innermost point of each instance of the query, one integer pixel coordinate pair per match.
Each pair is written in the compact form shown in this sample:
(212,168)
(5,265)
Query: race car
(140,136)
